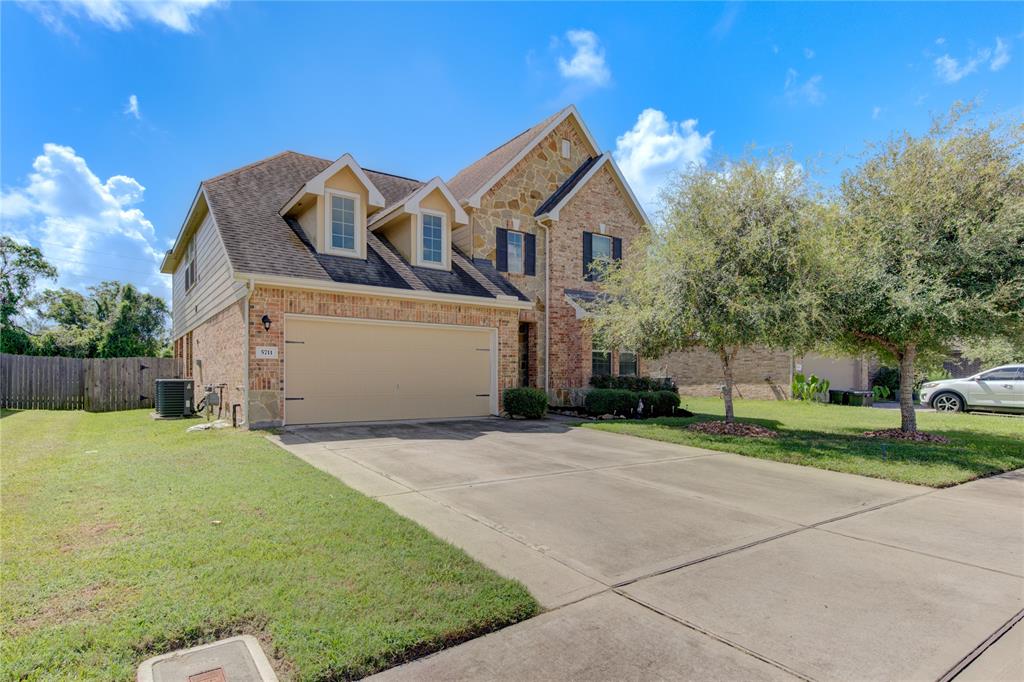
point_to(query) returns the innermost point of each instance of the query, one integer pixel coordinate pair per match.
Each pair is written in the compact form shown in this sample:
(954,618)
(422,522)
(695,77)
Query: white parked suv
(1000,389)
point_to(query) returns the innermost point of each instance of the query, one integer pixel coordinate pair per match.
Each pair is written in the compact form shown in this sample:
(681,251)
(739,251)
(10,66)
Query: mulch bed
(734,429)
(896,434)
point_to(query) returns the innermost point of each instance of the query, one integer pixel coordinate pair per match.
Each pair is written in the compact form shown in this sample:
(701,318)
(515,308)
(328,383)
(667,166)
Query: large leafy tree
(931,246)
(731,265)
(113,320)
(21,266)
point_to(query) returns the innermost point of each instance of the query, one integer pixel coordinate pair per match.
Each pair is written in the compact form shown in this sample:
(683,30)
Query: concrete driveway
(658,561)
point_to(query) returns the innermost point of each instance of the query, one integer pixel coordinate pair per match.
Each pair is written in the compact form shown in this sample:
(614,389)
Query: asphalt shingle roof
(472,177)
(246,202)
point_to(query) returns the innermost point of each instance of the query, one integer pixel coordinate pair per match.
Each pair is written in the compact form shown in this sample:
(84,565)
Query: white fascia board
(411,204)
(474,199)
(172,255)
(316,184)
(386,292)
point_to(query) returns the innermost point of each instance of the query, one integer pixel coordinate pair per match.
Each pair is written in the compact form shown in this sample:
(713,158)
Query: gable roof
(470,183)
(317,183)
(551,206)
(411,203)
(259,241)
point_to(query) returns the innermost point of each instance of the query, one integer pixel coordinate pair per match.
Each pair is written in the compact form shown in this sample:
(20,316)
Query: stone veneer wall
(759,372)
(266,377)
(600,201)
(510,204)
(219,345)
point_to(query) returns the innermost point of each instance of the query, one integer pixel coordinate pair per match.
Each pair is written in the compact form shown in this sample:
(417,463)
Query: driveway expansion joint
(975,653)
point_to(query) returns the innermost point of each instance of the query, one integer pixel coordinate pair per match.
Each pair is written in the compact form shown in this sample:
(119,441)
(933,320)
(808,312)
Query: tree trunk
(727,357)
(908,417)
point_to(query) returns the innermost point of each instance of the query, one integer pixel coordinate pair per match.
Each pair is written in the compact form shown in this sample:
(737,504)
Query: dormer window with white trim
(433,240)
(343,223)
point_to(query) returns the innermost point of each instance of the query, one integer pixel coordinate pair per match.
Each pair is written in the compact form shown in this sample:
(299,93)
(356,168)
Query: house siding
(266,376)
(215,289)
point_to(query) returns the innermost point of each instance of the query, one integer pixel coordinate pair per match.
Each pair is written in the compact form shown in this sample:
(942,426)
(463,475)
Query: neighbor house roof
(246,202)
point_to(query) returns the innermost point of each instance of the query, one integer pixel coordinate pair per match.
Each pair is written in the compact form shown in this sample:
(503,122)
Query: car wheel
(947,402)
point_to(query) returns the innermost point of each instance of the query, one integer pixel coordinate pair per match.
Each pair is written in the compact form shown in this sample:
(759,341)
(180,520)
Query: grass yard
(828,437)
(124,537)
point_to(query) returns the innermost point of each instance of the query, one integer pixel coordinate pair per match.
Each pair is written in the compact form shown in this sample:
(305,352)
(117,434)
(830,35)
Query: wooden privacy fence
(29,382)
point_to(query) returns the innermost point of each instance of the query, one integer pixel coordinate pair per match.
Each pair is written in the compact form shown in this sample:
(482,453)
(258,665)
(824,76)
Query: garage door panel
(358,371)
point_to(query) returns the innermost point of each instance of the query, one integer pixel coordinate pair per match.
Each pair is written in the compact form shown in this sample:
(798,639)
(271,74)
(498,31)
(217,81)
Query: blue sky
(111,113)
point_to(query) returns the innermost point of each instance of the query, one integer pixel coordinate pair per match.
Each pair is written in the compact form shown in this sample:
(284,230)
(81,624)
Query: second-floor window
(515,252)
(191,270)
(599,248)
(433,238)
(343,222)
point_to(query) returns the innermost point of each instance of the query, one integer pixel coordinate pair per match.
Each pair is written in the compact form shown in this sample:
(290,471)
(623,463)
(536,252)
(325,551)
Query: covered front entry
(345,370)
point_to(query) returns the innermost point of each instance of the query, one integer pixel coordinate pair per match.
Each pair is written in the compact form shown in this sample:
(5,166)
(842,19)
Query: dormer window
(432,245)
(433,238)
(343,223)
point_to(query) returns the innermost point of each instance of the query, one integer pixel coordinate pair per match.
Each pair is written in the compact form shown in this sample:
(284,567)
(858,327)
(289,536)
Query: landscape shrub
(665,403)
(531,403)
(610,401)
(633,383)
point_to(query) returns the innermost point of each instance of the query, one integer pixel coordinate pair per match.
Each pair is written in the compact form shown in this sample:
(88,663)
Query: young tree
(931,246)
(21,266)
(731,266)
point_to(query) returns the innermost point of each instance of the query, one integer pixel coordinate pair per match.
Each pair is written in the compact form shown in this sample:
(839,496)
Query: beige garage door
(341,371)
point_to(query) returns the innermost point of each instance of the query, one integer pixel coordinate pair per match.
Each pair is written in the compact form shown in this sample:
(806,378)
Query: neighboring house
(320,291)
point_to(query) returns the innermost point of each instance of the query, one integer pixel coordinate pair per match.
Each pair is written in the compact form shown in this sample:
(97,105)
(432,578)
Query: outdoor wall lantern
(266,322)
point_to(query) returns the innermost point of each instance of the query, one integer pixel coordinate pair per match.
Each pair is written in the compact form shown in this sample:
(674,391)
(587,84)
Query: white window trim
(190,262)
(522,253)
(360,224)
(446,255)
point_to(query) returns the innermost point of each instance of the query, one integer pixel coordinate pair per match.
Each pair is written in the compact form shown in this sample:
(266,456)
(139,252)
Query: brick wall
(266,376)
(759,373)
(600,202)
(216,354)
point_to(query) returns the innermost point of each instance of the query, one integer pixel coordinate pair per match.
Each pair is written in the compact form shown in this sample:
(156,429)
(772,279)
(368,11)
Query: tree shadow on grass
(971,453)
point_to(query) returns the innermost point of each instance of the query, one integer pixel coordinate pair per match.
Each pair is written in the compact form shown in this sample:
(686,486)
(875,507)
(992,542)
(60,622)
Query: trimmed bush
(531,403)
(658,403)
(610,401)
(633,383)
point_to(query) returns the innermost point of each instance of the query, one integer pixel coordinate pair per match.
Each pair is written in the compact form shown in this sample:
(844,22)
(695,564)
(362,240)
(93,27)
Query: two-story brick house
(319,291)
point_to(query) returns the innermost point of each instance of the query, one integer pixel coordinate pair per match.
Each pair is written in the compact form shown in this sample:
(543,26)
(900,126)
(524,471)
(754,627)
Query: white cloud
(940,41)
(587,63)
(951,70)
(807,91)
(808,53)
(656,147)
(876,113)
(1001,57)
(132,108)
(118,15)
(90,230)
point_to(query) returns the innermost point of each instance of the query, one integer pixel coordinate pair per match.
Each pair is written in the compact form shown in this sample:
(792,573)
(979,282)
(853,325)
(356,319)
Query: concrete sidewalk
(661,561)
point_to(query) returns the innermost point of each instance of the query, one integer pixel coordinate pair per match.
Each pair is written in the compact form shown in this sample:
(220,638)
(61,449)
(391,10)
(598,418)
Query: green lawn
(828,437)
(124,537)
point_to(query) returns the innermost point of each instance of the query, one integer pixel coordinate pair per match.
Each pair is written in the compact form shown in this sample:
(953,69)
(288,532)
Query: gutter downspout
(547,309)
(250,287)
